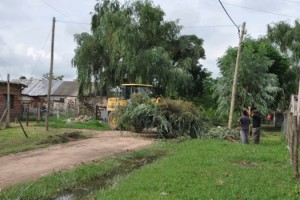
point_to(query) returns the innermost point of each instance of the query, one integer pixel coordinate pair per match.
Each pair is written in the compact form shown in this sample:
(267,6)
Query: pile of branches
(222,133)
(63,138)
(81,118)
(172,118)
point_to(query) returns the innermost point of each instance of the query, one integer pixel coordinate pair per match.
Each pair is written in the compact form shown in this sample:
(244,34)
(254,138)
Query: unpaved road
(30,165)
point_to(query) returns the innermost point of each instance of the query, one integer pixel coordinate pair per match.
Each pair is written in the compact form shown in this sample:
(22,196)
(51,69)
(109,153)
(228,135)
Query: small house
(15,99)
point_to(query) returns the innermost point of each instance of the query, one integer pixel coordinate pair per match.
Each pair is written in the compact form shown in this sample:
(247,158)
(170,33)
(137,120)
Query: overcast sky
(25,29)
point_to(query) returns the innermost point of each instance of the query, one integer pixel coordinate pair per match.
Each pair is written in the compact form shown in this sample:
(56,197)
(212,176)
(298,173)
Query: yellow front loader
(122,98)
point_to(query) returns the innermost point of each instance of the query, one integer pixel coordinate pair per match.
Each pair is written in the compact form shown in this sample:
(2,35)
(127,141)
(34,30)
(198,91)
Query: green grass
(207,169)
(61,183)
(13,140)
(60,122)
(193,169)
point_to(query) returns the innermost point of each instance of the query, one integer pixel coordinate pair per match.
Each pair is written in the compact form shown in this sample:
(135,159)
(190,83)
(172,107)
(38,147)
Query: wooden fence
(291,129)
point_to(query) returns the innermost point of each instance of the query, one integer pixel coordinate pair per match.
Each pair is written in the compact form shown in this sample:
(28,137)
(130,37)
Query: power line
(72,22)
(40,55)
(62,14)
(3,60)
(258,10)
(5,68)
(209,26)
(187,27)
(292,1)
(229,16)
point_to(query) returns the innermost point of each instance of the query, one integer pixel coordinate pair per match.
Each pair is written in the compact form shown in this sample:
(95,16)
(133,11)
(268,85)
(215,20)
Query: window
(5,101)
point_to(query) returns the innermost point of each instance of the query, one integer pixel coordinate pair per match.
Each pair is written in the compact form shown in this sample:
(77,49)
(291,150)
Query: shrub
(172,118)
(138,114)
(221,133)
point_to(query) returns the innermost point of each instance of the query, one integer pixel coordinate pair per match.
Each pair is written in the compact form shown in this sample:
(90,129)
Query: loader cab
(127,90)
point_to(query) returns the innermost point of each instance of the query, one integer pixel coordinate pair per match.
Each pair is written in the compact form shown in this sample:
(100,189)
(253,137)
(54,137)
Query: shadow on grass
(271,128)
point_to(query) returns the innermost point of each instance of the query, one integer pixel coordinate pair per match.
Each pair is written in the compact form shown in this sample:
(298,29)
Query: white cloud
(19,49)
(25,29)
(36,54)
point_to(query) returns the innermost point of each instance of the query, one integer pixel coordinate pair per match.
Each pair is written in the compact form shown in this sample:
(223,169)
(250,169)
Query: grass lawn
(193,169)
(13,140)
(207,169)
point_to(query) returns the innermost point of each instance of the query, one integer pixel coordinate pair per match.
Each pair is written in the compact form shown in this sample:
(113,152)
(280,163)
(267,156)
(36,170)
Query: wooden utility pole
(298,107)
(241,35)
(8,102)
(50,76)
(296,138)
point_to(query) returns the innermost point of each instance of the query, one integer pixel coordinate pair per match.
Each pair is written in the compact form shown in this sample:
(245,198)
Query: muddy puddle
(84,190)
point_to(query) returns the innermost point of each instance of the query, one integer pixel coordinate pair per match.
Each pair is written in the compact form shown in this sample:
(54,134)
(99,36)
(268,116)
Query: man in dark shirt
(256,121)
(244,122)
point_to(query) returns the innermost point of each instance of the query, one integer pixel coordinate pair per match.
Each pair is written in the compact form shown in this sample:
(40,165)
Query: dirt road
(30,165)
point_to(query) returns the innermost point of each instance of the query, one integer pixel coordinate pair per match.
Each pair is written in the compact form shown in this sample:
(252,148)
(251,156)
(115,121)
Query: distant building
(63,95)
(15,99)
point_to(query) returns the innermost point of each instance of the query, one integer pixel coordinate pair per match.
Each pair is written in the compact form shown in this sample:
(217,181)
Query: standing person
(268,118)
(256,123)
(244,122)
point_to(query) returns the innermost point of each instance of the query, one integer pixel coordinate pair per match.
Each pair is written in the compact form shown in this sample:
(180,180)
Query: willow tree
(286,38)
(132,43)
(256,86)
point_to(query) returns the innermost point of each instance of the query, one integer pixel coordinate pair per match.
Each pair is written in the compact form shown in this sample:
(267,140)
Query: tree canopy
(132,43)
(47,75)
(287,38)
(260,77)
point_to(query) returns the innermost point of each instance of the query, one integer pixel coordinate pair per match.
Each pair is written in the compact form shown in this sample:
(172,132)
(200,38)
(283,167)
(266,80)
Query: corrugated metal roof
(12,83)
(39,87)
(67,88)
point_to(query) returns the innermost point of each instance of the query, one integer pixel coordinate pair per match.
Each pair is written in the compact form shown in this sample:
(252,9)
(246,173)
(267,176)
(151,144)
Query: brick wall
(16,91)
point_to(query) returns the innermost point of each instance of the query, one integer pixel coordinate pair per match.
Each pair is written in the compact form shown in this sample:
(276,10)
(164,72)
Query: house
(34,96)
(63,95)
(15,99)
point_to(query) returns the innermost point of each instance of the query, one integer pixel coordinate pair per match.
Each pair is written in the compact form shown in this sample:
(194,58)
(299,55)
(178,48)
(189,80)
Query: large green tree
(256,85)
(286,38)
(132,43)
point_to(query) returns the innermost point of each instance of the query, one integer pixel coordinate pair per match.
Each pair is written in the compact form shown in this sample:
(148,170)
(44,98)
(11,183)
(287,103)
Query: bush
(138,114)
(221,133)
(172,118)
(178,118)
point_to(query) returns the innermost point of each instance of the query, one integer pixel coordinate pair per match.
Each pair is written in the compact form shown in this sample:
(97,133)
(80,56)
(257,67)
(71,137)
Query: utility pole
(241,35)
(8,102)
(50,75)
(298,107)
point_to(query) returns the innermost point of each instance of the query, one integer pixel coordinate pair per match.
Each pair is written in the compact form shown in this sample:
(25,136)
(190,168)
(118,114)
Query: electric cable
(258,10)
(208,26)
(292,1)
(72,22)
(229,16)
(40,55)
(62,14)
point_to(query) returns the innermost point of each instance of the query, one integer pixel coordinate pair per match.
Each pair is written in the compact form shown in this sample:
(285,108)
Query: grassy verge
(97,175)
(61,122)
(194,169)
(13,140)
(207,169)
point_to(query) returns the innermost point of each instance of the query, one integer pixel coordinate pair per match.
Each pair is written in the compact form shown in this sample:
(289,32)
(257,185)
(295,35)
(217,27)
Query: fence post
(295,147)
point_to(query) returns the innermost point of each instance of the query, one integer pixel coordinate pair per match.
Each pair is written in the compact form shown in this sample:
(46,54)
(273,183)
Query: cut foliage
(172,118)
